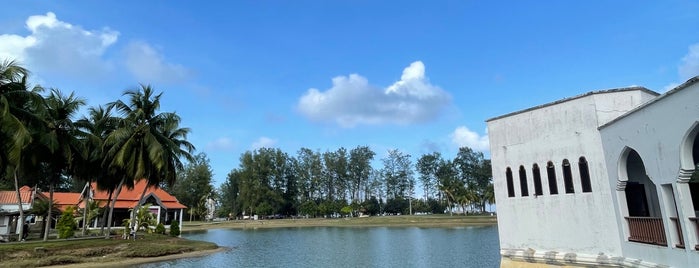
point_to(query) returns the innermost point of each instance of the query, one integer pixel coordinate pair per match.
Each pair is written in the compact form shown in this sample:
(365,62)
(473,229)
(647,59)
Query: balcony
(647,230)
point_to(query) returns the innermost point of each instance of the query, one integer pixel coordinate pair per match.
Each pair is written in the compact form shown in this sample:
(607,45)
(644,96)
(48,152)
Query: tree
(147,144)
(194,182)
(359,169)
(397,173)
(66,224)
(17,117)
(427,167)
(41,208)
(448,183)
(96,127)
(58,143)
(475,171)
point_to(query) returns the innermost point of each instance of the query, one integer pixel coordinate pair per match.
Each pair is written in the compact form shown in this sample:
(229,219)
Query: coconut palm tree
(147,144)
(58,143)
(17,113)
(96,126)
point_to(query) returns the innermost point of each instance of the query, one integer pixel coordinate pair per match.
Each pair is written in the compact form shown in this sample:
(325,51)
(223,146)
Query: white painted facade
(664,134)
(564,228)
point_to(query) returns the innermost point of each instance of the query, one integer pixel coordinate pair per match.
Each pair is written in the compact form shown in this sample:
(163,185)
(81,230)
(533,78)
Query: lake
(348,247)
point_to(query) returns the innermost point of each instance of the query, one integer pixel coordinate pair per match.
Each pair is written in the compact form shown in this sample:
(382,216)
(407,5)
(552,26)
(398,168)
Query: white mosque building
(600,179)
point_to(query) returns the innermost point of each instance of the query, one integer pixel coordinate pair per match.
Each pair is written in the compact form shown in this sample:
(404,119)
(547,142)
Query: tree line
(44,144)
(270,182)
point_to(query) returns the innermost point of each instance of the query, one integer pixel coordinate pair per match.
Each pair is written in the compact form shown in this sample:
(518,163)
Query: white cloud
(462,136)
(353,101)
(690,63)
(149,66)
(263,142)
(221,144)
(56,46)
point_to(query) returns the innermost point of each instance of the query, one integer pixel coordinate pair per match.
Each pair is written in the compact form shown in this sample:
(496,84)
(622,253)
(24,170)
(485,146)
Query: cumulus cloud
(57,46)
(221,144)
(690,63)
(462,136)
(688,68)
(353,101)
(149,66)
(263,142)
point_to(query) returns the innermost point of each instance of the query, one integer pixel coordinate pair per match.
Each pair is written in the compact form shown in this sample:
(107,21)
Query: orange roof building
(164,205)
(9,208)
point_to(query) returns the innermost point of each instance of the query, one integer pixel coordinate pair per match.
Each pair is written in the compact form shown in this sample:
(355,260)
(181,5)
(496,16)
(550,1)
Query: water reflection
(348,247)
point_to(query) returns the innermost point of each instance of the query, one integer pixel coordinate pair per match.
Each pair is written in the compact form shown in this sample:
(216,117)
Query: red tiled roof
(10,197)
(65,200)
(128,198)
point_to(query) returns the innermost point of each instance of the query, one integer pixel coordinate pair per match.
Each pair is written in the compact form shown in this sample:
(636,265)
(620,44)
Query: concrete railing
(678,229)
(647,230)
(695,222)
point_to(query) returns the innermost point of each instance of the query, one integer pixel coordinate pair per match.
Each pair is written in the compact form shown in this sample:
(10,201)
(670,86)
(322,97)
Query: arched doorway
(694,179)
(688,184)
(643,216)
(641,193)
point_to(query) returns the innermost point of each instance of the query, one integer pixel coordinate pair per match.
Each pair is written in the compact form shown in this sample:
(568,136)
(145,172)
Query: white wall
(657,132)
(583,223)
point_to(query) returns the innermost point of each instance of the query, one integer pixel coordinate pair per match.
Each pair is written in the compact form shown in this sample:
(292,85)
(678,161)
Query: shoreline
(382,221)
(138,261)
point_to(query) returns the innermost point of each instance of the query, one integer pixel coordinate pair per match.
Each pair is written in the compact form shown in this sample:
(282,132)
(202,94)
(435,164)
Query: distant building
(602,178)
(165,206)
(9,209)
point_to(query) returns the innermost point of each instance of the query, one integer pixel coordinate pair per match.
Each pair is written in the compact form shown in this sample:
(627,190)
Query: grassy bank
(387,221)
(98,250)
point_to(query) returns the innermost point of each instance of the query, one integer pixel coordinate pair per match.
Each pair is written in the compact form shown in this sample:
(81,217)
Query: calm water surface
(348,247)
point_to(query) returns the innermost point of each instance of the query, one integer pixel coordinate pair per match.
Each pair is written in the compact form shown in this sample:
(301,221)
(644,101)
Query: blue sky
(418,76)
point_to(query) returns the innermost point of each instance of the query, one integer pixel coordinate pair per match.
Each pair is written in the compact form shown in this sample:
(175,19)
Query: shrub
(160,229)
(66,224)
(175,228)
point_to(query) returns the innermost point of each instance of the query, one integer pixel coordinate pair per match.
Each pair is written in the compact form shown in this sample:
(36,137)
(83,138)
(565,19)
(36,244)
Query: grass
(388,221)
(58,252)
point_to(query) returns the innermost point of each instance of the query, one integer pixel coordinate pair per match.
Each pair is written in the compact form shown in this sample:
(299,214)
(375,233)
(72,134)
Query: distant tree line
(270,182)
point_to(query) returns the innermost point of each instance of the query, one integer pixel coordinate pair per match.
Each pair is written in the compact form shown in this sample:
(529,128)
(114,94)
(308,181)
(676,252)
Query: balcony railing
(695,221)
(678,228)
(647,230)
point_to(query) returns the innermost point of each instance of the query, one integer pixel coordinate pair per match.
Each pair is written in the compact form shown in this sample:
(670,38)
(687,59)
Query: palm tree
(17,107)
(147,144)
(96,126)
(59,142)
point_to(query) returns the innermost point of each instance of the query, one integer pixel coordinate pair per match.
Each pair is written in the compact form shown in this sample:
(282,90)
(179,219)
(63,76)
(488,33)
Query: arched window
(551,172)
(537,180)
(523,181)
(584,175)
(567,177)
(510,183)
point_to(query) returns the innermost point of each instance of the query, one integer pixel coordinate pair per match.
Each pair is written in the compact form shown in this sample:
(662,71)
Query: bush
(175,228)
(160,229)
(66,224)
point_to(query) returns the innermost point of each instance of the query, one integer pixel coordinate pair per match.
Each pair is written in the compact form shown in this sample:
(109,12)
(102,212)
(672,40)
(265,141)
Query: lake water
(348,247)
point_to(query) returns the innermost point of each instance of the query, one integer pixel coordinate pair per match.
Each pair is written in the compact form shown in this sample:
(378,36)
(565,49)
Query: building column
(685,209)
(180,223)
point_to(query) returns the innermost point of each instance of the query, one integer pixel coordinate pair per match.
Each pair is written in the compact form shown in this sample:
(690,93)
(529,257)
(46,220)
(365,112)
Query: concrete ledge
(520,258)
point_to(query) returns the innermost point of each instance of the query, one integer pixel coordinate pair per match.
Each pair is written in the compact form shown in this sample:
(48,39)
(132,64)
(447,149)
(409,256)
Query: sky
(417,76)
